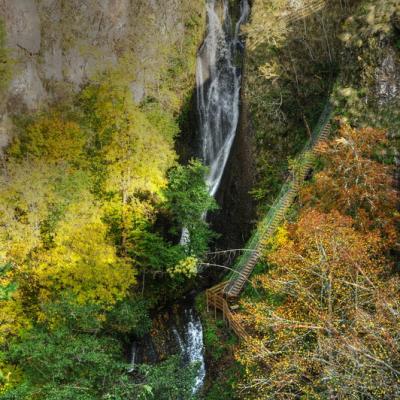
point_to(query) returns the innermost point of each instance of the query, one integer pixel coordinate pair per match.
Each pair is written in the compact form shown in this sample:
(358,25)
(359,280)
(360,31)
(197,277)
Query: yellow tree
(26,192)
(137,150)
(53,138)
(323,275)
(82,260)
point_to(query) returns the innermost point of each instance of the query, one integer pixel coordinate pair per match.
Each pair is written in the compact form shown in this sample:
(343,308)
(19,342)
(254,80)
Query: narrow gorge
(218,85)
(199,199)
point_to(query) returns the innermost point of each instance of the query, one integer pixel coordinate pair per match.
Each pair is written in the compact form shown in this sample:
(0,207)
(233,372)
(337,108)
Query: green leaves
(188,201)
(169,380)
(7,288)
(69,358)
(64,357)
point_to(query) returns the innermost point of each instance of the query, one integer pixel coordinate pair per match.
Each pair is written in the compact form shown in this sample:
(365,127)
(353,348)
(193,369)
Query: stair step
(236,284)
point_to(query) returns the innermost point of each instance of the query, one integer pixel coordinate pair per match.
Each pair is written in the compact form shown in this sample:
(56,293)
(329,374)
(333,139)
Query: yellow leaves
(279,239)
(186,267)
(25,193)
(281,236)
(137,151)
(12,318)
(52,137)
(83,261)
(330,279)
(342,141)
(345,37)
(10,376)
(270,71)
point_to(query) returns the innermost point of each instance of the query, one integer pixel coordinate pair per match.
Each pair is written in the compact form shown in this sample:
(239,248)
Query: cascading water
(218,94)
(218,87)
(218,80)
(191,345)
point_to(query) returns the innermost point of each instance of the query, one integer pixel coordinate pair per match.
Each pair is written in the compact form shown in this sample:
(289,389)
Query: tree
(66,356)
(83,260)
(27,191)
(135,151)
(188,201)
(51,136)
(357,179)
(7,285)
(11,320)
(326,279)
(169,380)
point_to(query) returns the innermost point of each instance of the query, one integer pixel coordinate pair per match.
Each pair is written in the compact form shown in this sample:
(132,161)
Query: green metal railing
(245,264)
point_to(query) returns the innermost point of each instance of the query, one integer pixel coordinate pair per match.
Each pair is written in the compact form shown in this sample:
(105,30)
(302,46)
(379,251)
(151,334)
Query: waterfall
(191,345)
(218,87)
(218,82)
(196,348)
(218,79)
(133,356)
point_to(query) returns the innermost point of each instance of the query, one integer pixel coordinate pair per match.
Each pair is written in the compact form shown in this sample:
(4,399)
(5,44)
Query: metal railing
(216,296)
(246,263)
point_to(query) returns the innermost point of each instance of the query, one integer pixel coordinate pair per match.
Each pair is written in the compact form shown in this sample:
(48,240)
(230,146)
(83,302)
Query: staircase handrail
(257,240)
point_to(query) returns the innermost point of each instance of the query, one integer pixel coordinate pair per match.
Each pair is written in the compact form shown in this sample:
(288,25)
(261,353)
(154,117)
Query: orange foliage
(327,321)
(355,181)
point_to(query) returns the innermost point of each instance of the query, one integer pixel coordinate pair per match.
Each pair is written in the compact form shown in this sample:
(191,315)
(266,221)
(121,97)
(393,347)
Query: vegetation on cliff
(322,305)
(326,308)
(5,63)
(92,204)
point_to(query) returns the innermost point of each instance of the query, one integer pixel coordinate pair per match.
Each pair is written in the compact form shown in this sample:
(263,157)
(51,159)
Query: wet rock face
(388,78)
(235,219)
(168,334)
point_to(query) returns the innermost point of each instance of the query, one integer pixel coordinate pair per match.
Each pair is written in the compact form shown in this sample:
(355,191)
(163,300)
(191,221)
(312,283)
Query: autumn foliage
(326,322)
(357,179)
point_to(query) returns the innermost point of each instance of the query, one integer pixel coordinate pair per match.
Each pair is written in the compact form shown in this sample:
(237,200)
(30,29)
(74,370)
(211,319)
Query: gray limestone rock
(26,89)
(6,127)
(22,24)
(62,44)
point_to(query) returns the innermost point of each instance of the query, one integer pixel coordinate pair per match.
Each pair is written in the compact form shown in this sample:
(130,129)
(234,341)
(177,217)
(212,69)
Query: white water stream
(218,96)
(218,87)
(218,81)
(192,347)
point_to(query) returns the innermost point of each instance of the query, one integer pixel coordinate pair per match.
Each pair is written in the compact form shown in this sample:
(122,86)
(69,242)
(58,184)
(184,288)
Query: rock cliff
(57,46)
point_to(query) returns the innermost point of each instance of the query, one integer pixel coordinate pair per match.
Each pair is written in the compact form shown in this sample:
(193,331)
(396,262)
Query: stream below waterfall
(218,79)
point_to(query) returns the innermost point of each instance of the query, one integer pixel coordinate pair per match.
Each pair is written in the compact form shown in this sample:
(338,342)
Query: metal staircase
(310,7)
(246,263)
(217,296)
